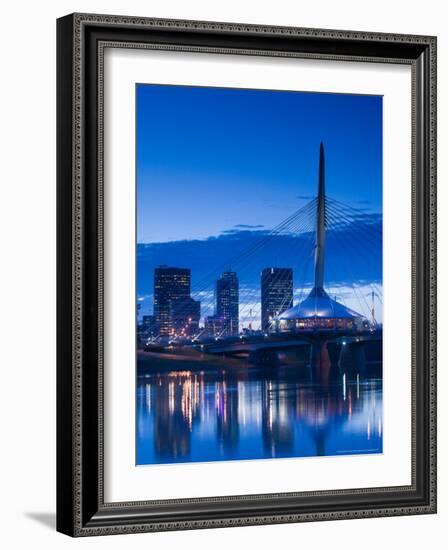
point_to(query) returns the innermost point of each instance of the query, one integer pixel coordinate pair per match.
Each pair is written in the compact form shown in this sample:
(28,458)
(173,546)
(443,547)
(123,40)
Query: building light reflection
(280,417)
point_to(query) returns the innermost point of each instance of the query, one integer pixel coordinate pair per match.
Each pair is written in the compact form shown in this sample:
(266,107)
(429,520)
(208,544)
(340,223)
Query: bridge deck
(285,341)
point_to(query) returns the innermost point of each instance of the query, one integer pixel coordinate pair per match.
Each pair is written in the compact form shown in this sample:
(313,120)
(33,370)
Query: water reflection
(250,413)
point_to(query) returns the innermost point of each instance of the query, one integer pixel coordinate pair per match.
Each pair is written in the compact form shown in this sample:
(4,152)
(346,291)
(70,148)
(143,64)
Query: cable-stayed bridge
(346,314)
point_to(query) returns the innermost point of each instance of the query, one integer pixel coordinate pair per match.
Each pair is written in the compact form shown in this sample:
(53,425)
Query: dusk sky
(218,168)
(252,154)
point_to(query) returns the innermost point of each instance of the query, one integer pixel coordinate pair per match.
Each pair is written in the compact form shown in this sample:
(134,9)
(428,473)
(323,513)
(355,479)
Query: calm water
(249,413)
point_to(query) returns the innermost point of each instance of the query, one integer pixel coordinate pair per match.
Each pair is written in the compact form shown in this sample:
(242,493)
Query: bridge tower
(320,225)
(318,312)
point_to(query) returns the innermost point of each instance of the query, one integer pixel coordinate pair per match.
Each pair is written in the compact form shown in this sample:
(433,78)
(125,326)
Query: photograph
(259,274)
(246,273)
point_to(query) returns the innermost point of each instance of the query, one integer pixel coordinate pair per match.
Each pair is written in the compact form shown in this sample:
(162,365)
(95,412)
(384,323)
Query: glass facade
(227,302)
(276,293)
(171,284)
(185,315)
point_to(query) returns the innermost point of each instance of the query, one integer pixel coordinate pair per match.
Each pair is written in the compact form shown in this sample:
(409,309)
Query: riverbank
(184,359)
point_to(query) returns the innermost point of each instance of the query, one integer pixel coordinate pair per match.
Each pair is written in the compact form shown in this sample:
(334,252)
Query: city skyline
(296,250)
(205,209)
(179,314)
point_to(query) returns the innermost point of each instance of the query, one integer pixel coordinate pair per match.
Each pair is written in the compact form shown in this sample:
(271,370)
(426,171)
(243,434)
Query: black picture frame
(81,510)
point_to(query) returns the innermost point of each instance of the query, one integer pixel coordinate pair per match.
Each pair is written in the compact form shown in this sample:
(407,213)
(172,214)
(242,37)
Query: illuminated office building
(227,302)
(276,293)
(171,285)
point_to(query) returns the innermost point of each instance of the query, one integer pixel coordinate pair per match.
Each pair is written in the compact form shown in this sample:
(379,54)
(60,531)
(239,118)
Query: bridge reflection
(255,413)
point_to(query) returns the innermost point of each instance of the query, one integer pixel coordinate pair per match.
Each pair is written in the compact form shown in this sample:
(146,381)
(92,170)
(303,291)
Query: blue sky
(249,154)
(218,168)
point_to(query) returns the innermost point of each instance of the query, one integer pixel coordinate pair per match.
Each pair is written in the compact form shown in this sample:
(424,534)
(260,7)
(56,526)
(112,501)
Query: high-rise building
(227,302)
(276,293)
(145,330)
(185,315)
(149,325)
(214,326)
(170,285)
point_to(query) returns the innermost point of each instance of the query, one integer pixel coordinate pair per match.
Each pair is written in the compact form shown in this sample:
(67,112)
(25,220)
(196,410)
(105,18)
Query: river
(208,413)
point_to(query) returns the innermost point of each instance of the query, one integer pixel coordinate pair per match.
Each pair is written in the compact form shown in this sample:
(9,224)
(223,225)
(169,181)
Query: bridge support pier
(320,363)
(353,359)
(334,352)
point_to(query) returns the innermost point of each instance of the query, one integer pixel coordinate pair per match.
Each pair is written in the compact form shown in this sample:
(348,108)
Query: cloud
(353,256)
(352,267)
(248,226)
(238,231)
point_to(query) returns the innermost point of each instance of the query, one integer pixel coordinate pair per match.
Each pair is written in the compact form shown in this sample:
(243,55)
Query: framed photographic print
(246,274)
